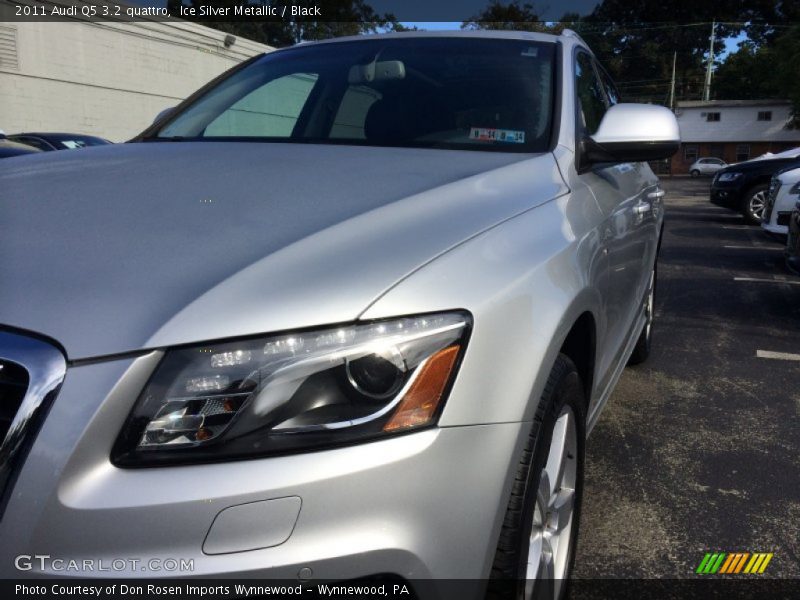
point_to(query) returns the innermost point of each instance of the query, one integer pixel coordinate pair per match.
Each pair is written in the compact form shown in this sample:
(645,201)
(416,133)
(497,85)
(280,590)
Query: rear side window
(591,96)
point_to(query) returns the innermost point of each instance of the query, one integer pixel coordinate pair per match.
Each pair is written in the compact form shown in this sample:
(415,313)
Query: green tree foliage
(769,70)
(517,16)
(787,72)
(746,74)
(636,40)
(504,16)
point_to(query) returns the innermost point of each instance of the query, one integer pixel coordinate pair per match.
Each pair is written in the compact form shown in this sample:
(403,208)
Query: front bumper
(775,228)
(778,210)
(728,195)
(422,505)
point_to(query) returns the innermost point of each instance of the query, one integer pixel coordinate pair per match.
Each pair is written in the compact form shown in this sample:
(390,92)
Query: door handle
(656,194)
(642,208)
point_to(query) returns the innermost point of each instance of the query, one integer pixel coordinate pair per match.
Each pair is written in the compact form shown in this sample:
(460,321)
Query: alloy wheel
(549,543)
(756,204)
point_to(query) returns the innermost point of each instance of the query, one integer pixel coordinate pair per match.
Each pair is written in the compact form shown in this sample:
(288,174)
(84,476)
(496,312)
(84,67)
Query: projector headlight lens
(287,393)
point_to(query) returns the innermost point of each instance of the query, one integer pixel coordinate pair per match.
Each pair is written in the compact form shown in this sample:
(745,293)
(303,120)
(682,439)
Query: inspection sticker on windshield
(484,134)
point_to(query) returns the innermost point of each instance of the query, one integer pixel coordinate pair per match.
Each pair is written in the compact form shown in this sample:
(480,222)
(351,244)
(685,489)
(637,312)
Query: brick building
(733,130)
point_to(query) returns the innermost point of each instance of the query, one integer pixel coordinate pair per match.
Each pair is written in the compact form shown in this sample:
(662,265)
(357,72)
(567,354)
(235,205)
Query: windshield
(475,94)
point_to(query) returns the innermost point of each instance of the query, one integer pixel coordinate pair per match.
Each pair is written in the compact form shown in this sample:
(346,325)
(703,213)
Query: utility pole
(672,85)
(707,87)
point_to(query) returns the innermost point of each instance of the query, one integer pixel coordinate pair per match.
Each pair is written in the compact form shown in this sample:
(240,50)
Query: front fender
(525,281)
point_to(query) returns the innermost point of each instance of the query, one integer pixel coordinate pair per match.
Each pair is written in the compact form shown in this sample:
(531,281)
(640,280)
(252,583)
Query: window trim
(696,149)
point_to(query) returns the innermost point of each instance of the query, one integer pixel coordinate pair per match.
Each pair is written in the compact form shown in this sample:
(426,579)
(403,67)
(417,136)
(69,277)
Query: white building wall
(106,79)
(736,124)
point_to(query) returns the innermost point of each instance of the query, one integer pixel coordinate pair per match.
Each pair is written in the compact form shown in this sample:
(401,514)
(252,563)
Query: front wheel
(695,173)
(537,541)
(754,202)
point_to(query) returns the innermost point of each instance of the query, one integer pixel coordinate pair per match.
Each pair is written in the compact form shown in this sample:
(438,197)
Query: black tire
(695,173)
(751,201)
(641,351)
(563,389)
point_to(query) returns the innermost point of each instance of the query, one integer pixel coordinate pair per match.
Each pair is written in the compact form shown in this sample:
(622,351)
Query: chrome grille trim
(46,367)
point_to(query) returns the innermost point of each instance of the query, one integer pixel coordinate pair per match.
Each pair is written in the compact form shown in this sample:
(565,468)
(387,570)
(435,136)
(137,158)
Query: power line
(667,80)
(682,80)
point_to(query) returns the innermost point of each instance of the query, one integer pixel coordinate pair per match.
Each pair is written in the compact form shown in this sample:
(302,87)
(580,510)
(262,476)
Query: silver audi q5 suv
(351,309)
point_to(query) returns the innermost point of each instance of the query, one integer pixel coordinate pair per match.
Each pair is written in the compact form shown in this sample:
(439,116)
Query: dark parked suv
(743,186)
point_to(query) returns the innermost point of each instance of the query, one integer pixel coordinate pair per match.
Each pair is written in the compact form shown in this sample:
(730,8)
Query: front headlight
(729,176)
(285,393)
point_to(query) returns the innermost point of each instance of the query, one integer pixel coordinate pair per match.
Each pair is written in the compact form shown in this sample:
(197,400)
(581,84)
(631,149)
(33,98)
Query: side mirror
(163,114)
(633,133)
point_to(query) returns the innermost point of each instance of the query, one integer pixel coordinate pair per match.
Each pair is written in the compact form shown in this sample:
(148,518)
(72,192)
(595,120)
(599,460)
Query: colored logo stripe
(758,563)
(734,562)
(711,563)
(727,564)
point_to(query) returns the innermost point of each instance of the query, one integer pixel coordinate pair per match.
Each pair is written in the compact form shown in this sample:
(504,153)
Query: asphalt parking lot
(698,449)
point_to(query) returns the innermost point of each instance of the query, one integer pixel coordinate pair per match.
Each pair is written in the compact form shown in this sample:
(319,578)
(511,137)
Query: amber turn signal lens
(423,398)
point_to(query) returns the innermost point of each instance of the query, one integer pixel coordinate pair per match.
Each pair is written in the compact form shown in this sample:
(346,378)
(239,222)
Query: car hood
(765,165)
(121,248)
